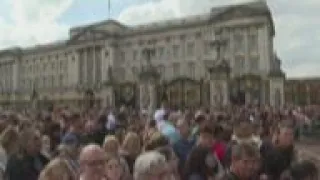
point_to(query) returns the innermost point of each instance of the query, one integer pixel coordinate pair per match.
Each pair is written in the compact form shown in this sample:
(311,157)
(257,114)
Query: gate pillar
(219,84)
(147,89)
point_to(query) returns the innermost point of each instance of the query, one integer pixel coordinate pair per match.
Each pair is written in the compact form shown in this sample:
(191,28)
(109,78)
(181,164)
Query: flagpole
(109,8)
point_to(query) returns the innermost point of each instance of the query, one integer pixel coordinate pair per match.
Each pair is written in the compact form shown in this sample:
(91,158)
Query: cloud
(167,9)
(33,21)
(310,69)
(297,26)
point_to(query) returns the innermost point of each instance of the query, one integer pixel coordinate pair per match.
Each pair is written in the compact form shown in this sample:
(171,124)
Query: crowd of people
(226,143)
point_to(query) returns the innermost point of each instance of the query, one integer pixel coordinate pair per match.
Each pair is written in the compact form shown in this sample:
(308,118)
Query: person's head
(243,130)
(171,158)
(166,116)
(30,141)
(57,169)
(206,136)
(151,166)
(183,127)
(114,169)
(152,124)
(244,160)
(92,161)
(200,118)
(76,123)
(173,117)
(155,141)
(8,140)
(73,143)
(111,145)
(284,136)
(132,144)
(202,162)
(46,144)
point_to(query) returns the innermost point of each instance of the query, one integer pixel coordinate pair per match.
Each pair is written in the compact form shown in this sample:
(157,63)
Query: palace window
(190,49)
(192,69)
(162,70)
(239,64)
(121,74)
(122,57)
(176,69)
(254,64)
(134,71)
(61,80)
(175,51)
(135,55)
(52,79)
(253,44)
(238,43)
(44,80)
(161,53)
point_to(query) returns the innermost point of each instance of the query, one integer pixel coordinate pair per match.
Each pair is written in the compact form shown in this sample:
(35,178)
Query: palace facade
(302,91)
(220,57)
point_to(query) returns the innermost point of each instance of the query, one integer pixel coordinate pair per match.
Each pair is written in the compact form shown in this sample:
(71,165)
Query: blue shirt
(169,131)
(182,149)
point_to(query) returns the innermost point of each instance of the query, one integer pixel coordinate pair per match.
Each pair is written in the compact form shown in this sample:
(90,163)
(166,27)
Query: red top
(219,149)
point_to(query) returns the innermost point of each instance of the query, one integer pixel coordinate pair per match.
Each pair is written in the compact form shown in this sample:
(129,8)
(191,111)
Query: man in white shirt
(111,122)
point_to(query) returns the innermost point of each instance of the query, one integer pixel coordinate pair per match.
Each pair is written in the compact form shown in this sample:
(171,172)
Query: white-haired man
(92,163)
(150,166)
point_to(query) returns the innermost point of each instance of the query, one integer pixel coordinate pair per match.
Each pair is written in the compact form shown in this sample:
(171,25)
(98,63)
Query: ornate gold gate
(183,93)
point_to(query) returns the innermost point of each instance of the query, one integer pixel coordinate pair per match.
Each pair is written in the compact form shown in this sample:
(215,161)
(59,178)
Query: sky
(30,22)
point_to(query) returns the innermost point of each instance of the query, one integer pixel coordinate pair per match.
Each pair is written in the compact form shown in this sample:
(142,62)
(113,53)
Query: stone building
(222,56)
(302,91)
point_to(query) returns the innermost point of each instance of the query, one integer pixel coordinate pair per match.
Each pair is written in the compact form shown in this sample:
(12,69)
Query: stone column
(94,64)
(142,96)
(153,97)
(212,93)
(111,96)
(225,91)
(248,97)
(246,51)
(108,97)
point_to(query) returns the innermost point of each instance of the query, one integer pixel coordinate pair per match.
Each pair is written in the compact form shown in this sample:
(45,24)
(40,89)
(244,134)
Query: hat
(70,139)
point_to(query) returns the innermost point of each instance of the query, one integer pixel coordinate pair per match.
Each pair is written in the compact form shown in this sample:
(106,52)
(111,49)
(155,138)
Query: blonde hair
(132,143)
(9,138)
(57,169)
(25,137)
(111,144)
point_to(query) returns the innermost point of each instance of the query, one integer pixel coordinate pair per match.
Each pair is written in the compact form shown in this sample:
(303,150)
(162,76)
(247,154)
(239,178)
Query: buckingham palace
(212,59)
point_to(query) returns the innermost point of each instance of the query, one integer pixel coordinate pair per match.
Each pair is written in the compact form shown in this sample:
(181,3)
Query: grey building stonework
(105,63)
